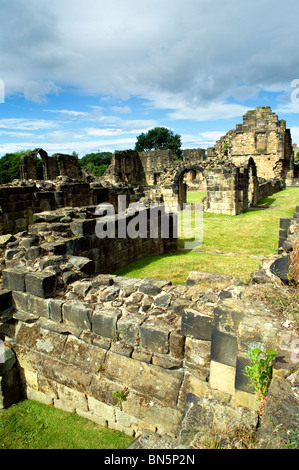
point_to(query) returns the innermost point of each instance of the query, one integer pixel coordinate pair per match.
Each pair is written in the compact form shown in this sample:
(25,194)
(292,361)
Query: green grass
(231,244)
(32,425)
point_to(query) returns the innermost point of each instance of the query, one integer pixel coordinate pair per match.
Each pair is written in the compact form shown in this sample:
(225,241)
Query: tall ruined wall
(263,137)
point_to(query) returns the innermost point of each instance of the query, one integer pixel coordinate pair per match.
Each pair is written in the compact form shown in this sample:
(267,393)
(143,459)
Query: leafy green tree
(296,158)
(10,166)
(96,163)
(159,138)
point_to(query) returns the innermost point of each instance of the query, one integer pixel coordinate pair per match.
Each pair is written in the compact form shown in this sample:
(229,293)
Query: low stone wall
(106,333)
(18,203)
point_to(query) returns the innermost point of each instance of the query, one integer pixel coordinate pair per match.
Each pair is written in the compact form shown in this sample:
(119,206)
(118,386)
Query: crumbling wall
(263,137)
(57,165)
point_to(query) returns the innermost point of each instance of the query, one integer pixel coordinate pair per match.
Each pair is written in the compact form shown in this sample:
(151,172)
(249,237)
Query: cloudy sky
(91,75)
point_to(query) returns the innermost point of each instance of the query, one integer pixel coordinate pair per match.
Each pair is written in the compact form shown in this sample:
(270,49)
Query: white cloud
(196,51)
(211,112)
(37,91)
(26,124)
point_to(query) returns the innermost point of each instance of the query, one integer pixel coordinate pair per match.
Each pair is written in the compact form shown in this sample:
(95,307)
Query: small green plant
(293,439)
(259,372)
(121,396)
(100,368)
(117,336)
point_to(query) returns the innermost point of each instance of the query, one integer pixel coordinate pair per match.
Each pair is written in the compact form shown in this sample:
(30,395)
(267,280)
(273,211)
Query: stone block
(101,409)
(21,301)
(83,227)
(176,344)
(242,382)
(70,400)
(40,340)
(62,373)
(14,278)
(128,328)
(222,377)
(83,355)
(77,314)
(197,324)
(41,284)
(224,348)
(104,322)
(55,309)
(154,338)
(149,288)
(208,419)
(82,264)
(39,306)
(150,380)
(228,314)
(154,414)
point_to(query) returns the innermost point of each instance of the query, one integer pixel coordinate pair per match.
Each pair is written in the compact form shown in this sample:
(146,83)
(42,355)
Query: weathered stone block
(167,419)
(224,348)
(211,420)
(55,309)
(128,328)
(242,382)
(222,377)
(228,314)
(83,355)
(77,314)
(176,344)
(149,289)
(39,306)
(197,325)
(145,378)
(41,284)
(104,323)
(37,339)
(154,338)
(83,227)
(82,264)
(62,373)
(14,278)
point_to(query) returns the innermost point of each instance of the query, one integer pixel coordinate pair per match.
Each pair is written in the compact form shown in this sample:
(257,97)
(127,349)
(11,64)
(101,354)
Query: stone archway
(179,186)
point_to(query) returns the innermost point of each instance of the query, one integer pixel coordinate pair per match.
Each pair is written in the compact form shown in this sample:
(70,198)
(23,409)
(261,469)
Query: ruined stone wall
(19,203)
(164,343)
(264,138)
(57,165)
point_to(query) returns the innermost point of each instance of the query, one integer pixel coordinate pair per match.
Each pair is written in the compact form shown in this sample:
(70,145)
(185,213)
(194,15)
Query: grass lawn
(242,242)
(32,425)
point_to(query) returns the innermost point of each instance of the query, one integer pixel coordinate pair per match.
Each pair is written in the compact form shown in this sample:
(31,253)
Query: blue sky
(91,75)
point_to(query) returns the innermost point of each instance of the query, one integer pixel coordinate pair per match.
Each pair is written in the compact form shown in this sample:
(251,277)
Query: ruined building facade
(263,137)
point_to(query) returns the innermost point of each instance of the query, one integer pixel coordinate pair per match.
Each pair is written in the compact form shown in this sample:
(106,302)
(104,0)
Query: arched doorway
(189,175)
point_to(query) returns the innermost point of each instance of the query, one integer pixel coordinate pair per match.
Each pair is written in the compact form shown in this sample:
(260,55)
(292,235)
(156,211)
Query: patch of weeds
(259,372)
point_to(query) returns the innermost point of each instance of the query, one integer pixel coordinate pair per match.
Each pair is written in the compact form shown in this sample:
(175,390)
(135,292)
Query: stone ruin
(53,167)
(72,333)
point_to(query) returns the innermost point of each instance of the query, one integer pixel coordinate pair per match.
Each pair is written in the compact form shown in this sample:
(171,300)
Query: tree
(296,158)
(10,166)
(96,163)
(159,138)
